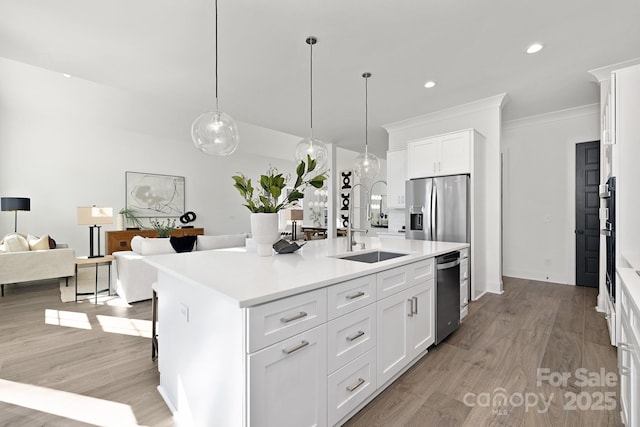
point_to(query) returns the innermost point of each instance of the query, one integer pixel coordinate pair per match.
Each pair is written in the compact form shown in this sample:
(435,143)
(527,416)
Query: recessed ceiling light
(66,76)
(536,47)
(430,84)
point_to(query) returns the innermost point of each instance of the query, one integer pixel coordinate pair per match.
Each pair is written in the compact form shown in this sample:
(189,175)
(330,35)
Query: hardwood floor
(496,353)
(99,358)
(100,362)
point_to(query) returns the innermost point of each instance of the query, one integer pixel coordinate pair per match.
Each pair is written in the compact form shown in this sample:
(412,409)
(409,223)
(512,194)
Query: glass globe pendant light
(215,133)
(367,165)
(311,146)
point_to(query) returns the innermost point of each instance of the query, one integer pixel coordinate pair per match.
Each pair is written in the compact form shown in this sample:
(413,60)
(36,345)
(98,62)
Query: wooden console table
(121,240)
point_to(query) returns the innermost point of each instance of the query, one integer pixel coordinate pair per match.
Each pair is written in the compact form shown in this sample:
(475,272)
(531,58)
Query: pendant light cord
(216,11)
(311,89)
(366,115)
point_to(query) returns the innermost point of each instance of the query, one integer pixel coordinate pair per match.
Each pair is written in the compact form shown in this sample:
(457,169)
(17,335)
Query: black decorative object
(285,247)
(188,217)
(182,244)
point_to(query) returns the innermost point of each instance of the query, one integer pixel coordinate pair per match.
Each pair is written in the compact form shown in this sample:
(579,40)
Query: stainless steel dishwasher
(447,294)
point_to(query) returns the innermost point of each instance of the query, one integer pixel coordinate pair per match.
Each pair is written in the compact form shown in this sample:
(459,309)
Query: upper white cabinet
(448,154)
(396,176)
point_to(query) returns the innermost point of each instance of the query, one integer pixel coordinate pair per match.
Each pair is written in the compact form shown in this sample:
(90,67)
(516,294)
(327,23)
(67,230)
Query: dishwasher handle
(447,265)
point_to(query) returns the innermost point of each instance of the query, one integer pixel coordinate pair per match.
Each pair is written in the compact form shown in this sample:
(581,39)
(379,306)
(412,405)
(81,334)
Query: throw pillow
(156,246)
(16,243)
(136,244)
(182,244)
(38,243)
(206,243)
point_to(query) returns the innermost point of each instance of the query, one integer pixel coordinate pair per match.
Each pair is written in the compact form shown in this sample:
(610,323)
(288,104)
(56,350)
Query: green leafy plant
(265,197)
(164,228)
(130,215)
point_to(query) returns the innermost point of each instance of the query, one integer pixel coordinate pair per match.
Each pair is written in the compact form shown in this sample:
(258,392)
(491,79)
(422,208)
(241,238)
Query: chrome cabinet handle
(410,307)
(355,336)
(356,295)
(415,305)
(624,346)
(294,317)
(290,350)
(356,385)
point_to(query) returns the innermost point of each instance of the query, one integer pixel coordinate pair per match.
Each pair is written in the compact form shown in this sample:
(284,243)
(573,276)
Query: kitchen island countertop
(247,279)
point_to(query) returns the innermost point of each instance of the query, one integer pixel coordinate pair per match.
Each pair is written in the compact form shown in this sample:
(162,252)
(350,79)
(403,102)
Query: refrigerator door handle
(434,213)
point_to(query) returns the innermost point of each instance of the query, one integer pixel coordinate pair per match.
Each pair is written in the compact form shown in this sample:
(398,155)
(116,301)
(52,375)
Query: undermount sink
(372,257)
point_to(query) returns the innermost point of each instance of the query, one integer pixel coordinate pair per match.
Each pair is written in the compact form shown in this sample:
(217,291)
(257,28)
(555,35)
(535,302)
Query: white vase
(264,229)
(120,222)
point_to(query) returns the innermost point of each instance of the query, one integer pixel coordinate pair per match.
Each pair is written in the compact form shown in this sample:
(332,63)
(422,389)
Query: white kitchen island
(299,339)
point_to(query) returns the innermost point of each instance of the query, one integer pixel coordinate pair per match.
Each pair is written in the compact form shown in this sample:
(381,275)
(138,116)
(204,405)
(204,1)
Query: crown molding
(604,73)
(496,101)
(554,116)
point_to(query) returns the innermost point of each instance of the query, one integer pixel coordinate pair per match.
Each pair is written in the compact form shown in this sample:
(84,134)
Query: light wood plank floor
(500,344)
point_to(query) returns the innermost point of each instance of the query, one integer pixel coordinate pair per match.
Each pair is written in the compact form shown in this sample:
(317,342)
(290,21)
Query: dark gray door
(587,219)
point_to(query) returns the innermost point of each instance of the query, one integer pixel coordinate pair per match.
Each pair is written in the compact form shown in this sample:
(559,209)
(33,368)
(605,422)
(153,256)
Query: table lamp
(294,215)
(92,216)
(15,204)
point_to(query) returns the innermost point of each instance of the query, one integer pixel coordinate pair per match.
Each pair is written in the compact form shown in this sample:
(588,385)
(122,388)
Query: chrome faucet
(350,242)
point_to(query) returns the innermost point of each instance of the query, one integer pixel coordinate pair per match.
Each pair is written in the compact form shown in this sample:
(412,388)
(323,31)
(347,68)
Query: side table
(106,259)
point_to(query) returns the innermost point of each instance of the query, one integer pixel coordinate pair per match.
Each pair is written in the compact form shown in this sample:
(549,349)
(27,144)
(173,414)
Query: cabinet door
(455,154)
(421,331)
(625,366)
(423,158)
(396,177)
(392,350)
(288,382)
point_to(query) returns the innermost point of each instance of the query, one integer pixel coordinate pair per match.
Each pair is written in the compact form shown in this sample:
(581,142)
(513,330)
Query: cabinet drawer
(351,385)
(397,279)
(351,335)
(274,321)
(348,296)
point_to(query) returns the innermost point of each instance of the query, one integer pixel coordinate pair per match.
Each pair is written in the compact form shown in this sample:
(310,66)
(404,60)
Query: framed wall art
(154,196)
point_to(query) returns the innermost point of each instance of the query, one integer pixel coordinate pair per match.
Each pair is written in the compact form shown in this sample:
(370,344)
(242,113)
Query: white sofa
(28,265)
(133,278)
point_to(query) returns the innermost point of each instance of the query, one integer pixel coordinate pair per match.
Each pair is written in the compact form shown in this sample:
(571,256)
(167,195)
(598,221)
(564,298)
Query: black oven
(609,198)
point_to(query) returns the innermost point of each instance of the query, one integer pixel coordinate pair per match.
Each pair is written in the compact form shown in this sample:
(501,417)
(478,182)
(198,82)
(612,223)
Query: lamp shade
(93,215)
(15,204)
(294,215)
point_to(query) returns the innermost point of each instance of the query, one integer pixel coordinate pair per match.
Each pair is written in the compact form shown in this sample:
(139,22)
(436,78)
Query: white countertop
(633,260)
(247,279)
(632,283)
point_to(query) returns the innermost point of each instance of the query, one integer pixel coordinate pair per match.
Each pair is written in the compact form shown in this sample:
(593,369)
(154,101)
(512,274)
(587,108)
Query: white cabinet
(405,316)
(464,283)
(422,319)
(288,382)
(629,345)
(448,154)
(396,177)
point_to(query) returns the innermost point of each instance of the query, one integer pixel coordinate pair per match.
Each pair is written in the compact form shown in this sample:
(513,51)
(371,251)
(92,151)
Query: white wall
(68,142)
(486,117)
(539,181)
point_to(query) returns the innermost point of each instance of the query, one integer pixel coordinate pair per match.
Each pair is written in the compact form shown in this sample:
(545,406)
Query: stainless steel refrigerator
(438,209)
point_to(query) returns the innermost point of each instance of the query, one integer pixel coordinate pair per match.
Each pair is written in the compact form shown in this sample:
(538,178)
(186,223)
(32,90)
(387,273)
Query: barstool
(154,321)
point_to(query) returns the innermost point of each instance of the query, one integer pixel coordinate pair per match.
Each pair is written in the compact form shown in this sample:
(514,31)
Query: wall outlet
(184,312)
(547,218)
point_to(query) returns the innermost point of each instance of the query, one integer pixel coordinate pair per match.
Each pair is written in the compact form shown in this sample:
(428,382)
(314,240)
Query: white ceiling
(164,49)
